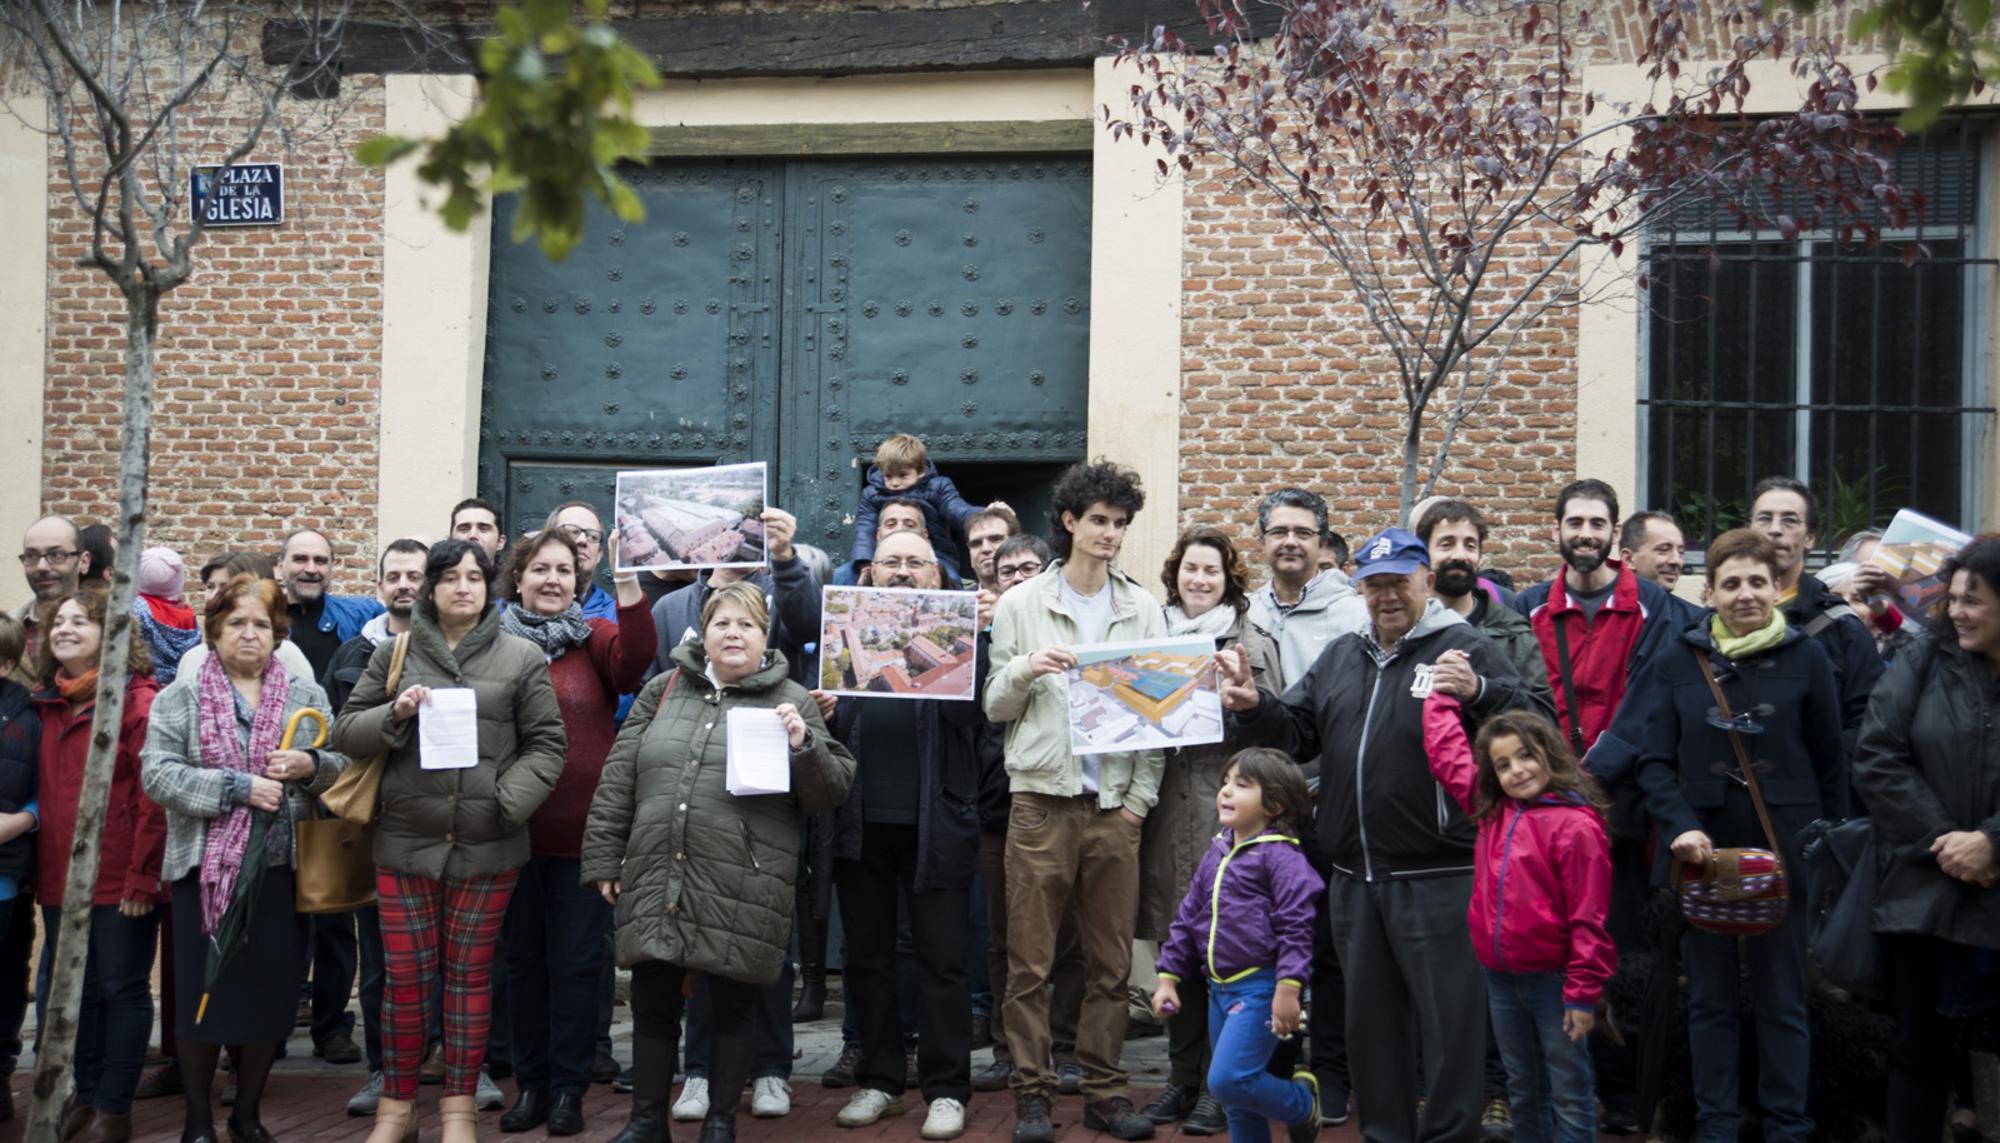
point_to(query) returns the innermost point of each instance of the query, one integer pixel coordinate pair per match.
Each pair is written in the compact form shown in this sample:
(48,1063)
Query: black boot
(729,1056)
(812,967)
(719,1127)
(652,1091)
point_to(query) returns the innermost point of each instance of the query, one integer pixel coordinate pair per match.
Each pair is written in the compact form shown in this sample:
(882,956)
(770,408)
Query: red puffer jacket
(135,830)
(1542,881)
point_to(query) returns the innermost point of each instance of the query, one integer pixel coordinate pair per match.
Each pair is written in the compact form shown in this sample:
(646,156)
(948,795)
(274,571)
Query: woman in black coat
(1928,768)
(1781,688)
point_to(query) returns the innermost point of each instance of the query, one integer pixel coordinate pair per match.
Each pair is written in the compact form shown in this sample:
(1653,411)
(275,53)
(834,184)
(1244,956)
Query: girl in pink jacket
(1540,891)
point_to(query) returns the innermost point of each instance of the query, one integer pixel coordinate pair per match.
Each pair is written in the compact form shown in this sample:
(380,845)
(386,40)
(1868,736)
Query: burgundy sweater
(588,680)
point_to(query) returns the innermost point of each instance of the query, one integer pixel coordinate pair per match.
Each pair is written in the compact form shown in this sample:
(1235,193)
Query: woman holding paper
(474,743)
(556,924)
(702,877)
(1206,595)
(213,762)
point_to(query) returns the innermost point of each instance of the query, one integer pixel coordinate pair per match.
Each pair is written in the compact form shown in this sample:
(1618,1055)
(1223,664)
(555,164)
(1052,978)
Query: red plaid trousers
(415,911)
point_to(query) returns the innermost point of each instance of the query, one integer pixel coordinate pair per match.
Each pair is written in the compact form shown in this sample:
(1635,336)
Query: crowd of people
(1438,814)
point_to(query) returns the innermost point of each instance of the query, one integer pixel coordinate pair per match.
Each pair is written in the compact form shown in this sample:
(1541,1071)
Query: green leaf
(381,150)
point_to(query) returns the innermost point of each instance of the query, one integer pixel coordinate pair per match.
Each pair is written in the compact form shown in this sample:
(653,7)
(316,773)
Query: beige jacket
(1036,711)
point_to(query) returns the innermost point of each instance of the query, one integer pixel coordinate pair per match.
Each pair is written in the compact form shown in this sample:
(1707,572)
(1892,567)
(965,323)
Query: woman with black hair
(1784,706)
(1927,770)
(449,842)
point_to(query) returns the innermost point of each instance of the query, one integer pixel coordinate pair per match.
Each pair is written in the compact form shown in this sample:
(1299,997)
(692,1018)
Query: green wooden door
(797,313)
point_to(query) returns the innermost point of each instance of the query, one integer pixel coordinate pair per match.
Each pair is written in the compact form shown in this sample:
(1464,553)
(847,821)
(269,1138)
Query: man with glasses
(53,561)
(580,522)
(901,837)
(1787,513)
(1303,606)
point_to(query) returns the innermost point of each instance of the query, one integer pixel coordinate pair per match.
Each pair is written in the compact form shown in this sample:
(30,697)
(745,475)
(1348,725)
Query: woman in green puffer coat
(703,879)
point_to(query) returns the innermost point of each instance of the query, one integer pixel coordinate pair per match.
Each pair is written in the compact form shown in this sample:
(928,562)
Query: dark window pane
(1721,387)
(1887,338)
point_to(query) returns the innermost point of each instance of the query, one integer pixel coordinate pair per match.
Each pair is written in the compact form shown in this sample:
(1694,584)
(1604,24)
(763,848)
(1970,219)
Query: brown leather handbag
(1739,892)
(354,794)
(336,852)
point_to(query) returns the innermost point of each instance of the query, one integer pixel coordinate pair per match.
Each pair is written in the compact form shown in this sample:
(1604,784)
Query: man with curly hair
(1073,822)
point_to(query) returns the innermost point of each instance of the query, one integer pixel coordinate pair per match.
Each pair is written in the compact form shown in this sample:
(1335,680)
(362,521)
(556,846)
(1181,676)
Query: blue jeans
(1241,1043)
(116,1017)
(1775,965)
(555,945)
(1549,1082)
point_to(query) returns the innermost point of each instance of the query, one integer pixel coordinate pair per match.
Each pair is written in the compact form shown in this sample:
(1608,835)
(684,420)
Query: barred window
(1836,363)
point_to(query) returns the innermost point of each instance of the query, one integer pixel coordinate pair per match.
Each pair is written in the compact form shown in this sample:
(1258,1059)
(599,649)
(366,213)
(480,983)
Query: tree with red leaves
(1447,160)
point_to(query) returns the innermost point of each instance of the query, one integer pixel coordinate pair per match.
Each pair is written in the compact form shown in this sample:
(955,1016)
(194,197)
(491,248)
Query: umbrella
(233,928)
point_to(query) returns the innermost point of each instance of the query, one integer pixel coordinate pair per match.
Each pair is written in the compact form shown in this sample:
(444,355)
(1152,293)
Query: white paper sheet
(760,752)
(448,730)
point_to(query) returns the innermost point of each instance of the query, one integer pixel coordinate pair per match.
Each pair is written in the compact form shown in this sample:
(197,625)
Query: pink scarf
(221,749)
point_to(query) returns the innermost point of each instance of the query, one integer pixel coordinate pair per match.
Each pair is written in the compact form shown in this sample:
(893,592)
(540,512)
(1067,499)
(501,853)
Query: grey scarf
(554,634)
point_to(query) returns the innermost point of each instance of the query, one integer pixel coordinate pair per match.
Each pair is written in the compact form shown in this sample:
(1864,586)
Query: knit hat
(161,573)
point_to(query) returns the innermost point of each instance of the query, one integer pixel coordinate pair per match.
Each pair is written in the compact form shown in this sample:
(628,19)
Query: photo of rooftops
(885,642)
(671,519)
(1144,695)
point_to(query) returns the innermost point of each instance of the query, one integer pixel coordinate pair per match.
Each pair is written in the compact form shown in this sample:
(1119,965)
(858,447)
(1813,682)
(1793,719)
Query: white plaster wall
(433,328)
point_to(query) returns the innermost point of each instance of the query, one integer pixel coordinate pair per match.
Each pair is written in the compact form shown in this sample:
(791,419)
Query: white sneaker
(487,1095)
(770,1097)
(692,1106)
(945,1121)
(868,1106)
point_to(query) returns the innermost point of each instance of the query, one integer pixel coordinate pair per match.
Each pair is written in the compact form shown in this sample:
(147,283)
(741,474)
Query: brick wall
(1285,381)
(265,413)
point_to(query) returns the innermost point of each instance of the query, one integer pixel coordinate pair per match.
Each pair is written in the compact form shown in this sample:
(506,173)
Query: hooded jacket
(1928,764)
(948,779)
(1249,909)
(707,877)
(1688,767)
(1380,815)
(945,514)
(1515,636)
(1328,608)
(1542,887)
(1849,646)
(1030,617)
(135,829)
(457,824)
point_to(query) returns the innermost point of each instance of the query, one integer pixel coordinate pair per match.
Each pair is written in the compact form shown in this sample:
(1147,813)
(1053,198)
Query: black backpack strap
(1569,688)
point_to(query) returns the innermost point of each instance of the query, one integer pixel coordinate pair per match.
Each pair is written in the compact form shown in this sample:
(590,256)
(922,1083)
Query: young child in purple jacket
(1247,923)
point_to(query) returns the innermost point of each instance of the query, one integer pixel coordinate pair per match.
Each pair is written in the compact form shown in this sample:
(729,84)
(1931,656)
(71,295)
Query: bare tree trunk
(56,1048)
(1413,436)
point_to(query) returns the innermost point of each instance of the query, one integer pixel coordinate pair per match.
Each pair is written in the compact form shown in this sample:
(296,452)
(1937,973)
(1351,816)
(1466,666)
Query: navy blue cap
(1394,552)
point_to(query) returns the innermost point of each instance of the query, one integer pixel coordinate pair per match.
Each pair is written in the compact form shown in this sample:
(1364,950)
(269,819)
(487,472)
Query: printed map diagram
(1144,695)
(899,642)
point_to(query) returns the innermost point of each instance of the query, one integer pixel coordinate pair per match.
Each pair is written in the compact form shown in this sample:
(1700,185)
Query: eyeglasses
(1291,533)
(54,557)
(911,564)
(1788,520)
(579,532)
(1018,571)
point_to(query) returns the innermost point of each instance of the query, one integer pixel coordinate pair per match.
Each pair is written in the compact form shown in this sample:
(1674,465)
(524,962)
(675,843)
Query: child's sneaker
(1305,1130)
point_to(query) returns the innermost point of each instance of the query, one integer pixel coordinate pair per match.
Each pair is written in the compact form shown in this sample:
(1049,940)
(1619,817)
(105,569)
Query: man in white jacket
(1073,825)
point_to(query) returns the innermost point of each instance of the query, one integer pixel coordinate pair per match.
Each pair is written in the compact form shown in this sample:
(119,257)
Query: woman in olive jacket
(703,879)
(1206,595)
(449,843)
(1928,769)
